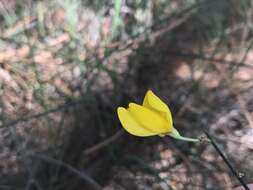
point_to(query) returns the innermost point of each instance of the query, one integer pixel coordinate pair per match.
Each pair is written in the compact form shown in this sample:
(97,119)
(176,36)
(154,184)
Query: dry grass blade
(80,174)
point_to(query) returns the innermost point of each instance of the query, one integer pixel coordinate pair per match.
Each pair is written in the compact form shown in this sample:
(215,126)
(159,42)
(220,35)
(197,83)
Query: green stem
(187,139)
(175,134)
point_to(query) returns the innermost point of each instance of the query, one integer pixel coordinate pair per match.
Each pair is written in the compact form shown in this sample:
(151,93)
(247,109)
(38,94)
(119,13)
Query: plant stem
(187,139)
(233,170)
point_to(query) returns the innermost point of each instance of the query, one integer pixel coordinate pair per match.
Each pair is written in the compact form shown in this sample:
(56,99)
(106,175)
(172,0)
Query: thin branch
(206,57)
(38,115)
(73,170)
(104,143)
(233,170)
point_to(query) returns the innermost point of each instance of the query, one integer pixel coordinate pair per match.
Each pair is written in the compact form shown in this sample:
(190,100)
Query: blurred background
(66,65)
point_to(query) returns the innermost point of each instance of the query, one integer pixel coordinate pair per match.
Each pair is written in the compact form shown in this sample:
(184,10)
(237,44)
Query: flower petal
(131,125)
(153,102)
(148,119)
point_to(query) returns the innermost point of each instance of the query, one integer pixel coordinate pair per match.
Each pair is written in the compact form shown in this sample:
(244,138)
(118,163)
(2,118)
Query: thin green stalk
(116,18)
(187,139)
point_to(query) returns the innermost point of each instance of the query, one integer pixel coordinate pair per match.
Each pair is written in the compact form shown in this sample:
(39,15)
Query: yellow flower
(151,118)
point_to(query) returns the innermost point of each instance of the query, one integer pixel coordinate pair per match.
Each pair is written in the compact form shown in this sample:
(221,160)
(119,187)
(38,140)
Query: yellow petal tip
(119,109)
